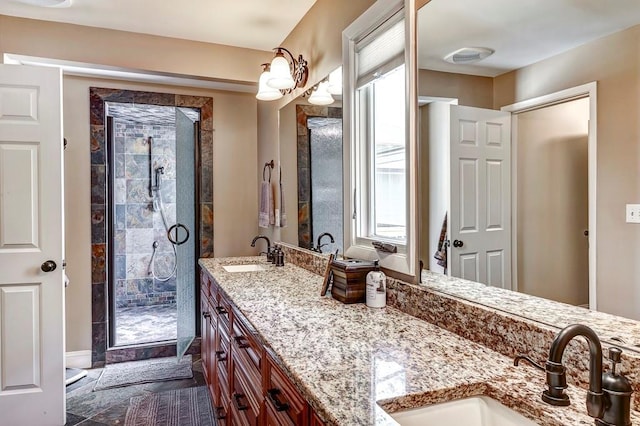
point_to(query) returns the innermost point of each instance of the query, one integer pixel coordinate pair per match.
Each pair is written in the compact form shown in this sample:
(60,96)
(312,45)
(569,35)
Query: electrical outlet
(633,213)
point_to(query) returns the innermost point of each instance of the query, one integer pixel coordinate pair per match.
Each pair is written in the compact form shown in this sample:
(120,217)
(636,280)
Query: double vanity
(276,352)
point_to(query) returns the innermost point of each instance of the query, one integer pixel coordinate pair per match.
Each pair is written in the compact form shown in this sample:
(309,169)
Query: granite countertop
(352,362)
(617,330)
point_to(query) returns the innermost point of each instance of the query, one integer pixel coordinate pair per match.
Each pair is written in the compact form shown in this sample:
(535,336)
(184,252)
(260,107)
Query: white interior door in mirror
(480,224)
(31,247)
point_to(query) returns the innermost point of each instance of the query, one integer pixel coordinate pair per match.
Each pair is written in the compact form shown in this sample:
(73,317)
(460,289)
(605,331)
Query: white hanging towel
(272,205)
(265,202)
(283,212)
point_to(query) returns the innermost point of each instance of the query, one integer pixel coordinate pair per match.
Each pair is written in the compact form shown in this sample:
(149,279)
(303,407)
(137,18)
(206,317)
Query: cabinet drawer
(247,347)
(223,310)
(222,355)
(283,397)
(245,406)
(222,408)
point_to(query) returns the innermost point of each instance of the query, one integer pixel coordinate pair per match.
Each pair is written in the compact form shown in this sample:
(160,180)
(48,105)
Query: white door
(480,224)
(31,233)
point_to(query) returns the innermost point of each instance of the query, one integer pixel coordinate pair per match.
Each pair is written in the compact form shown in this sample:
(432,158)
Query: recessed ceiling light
(468,55)
(46,3)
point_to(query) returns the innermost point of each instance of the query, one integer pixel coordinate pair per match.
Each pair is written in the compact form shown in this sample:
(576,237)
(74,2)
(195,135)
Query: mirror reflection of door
(553,202)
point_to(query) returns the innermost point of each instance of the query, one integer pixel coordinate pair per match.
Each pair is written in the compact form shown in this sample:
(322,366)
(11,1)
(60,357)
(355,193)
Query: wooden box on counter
(349,278)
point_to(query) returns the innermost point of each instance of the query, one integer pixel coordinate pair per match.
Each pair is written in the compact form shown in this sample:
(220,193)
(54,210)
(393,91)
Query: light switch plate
(633,213)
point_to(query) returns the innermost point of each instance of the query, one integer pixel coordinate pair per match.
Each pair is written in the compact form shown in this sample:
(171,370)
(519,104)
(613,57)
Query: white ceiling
(256,24)
(521,32)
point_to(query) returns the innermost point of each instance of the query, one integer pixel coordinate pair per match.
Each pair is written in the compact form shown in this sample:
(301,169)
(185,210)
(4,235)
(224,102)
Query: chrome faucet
(609,395)
(319,246)
(269,253)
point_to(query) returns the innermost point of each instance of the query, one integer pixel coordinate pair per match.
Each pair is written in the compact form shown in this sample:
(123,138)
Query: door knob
(457,243)
(48,266)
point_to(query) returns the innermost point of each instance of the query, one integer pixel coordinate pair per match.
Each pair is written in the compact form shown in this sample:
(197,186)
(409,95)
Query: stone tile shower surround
(99,240)
(503,332)
(137,224)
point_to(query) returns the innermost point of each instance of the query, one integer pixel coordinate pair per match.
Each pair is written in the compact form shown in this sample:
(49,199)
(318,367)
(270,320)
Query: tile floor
(109,407)
(145,324)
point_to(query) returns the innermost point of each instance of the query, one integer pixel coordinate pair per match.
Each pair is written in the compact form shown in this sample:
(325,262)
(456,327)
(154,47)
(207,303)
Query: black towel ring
(270,165)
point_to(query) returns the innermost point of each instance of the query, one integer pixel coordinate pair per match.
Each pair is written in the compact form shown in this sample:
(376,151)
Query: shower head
(160,170)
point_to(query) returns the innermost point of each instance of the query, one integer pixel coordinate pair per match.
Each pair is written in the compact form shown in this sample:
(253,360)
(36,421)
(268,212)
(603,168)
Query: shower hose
(159,205)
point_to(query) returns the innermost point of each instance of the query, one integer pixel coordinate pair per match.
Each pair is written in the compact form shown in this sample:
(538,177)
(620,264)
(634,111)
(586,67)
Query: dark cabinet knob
(457,243)
(48,266)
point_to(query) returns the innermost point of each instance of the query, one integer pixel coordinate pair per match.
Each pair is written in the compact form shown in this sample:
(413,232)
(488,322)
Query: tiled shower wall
(137,223)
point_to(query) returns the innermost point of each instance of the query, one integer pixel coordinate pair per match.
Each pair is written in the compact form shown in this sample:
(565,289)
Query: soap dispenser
(376,288)
(617,390)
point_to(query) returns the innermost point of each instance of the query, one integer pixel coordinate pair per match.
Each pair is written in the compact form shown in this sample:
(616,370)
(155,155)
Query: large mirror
(529,144)
(311,161)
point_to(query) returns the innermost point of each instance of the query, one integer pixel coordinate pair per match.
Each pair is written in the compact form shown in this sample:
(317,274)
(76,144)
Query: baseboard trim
(78,359)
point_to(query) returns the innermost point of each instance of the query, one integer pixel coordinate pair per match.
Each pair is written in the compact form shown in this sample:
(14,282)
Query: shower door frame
(102,221)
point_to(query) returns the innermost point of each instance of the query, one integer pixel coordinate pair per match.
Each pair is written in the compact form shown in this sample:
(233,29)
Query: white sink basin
(473,411)
(244,268)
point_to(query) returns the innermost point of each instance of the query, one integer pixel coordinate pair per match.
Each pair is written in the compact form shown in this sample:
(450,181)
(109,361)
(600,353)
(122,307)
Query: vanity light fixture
(266,92)
(321,95)
(469,55)
(335,82)
(283,75)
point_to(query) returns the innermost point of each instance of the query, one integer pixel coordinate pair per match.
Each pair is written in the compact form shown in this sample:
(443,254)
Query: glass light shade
(321,96)
(335,82)
(266,93)
(280,74)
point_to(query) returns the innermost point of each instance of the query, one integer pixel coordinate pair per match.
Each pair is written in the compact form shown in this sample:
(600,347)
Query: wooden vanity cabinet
(247,387)
(285,405)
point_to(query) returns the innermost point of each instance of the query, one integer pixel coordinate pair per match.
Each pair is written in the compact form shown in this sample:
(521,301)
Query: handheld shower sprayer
(159,173)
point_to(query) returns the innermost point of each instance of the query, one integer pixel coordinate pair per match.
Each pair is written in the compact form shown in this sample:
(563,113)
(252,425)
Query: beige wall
(234,186)
(614,62)
(289,159)
(128,50)
(235,135)
(318,37)
(553,202)
(470,90)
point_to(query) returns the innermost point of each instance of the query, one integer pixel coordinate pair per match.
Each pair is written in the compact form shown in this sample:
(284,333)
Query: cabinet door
(316,421)
(246,408)
(282,397)
(275,418)
(206,340)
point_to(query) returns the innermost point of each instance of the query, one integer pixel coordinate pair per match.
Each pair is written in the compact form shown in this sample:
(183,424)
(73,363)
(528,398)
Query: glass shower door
(185,230)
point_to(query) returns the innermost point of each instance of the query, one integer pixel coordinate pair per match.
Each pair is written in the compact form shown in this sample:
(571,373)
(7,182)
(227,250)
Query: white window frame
(405,261)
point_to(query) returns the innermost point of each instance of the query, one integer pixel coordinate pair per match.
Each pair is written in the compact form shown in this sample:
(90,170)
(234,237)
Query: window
(381,133)
(380,140)
(383,141)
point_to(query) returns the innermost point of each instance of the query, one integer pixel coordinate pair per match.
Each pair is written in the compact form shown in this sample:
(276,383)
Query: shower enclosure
(152,223)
